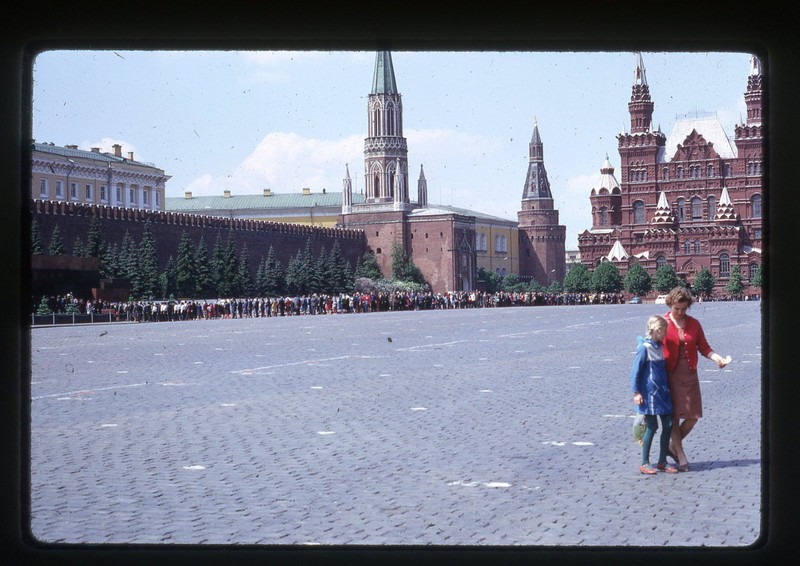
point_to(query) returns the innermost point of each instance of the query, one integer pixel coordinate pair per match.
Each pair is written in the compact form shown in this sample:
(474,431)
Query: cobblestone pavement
(465,427)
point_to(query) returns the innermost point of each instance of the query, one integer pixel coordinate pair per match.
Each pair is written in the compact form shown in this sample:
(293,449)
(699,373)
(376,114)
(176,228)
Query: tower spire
(640,106)
(383,81)
(536,184)
(422,189)
(385,148)
(347,192)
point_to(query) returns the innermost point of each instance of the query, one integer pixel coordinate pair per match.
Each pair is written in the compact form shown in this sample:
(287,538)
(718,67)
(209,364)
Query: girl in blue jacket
(651,393)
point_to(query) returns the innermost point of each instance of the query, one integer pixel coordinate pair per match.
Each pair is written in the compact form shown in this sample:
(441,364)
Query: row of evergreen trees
(195,272)
(606,278)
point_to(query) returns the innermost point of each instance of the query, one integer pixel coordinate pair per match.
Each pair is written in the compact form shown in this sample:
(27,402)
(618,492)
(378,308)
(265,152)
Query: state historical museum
(691,200)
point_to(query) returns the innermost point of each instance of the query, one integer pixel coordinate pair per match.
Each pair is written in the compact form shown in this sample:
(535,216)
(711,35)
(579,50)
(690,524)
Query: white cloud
(285,163)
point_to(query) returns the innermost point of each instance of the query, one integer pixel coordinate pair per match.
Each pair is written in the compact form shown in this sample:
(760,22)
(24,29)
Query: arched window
(755,204)
(681,206)
(679,173)
(661,261)
(710,170)
(638,212)
(752,269)
(665,173)
(712,207)
(724,265)
(687,247)
(697,208)
(603,216)
(697,247)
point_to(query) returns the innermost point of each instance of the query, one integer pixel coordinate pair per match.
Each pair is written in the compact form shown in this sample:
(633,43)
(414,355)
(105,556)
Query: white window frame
(73,190)
(59,188)
(43,187)
(103,193)
(89,192)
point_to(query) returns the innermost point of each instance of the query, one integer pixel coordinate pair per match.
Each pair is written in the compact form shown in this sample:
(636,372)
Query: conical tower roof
(536,183)
(725,210)
(663,213)
(383,79)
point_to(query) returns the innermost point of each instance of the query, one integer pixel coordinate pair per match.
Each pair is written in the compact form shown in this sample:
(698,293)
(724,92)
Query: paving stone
(471,427)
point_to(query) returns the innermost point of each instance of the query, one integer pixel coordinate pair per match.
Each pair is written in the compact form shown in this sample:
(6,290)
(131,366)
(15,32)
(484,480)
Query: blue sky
(246,121)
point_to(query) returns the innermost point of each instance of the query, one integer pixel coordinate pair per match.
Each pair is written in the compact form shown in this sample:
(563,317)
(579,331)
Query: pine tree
(230,268)
(348,280)
(260,282)
(93,239)
(109,262)
(128,261)
(244,279)
(36,239)
(335,272)
(292,275)
(218,267)
(169,278)
(185,279)
(203,281)
(78,249)
(274,276)
(148,263)
(56,242)
(321,281)
(369,267)
(44,307)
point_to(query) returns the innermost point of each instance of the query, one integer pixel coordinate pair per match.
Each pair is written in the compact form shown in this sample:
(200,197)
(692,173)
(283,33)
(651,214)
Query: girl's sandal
(647,469)
(667,468)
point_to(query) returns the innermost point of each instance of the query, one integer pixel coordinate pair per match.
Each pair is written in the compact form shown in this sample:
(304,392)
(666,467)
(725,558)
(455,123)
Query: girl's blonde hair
(654,323)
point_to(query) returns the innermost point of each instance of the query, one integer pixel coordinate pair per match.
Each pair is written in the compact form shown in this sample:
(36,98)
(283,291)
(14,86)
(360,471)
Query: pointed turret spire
(536,184)
(399,186)
(753,95)
(383,80)
(347,192)
(640,106)
(639,73)
(422,189)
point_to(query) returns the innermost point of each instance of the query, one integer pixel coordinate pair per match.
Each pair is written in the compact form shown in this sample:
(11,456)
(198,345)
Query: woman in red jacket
(684,340)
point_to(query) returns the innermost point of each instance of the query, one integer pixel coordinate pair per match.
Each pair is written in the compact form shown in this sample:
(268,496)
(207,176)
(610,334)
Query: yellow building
(70,174)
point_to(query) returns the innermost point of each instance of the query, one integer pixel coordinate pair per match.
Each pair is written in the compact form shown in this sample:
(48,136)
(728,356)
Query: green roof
(257,201)
(288,201)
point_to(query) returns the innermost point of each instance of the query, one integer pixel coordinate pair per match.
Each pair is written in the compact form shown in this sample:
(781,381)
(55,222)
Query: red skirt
(684,386)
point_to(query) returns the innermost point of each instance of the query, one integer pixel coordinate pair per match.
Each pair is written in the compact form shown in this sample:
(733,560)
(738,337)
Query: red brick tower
(542,238)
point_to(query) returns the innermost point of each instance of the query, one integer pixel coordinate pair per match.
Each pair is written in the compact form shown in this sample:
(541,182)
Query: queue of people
(314,304)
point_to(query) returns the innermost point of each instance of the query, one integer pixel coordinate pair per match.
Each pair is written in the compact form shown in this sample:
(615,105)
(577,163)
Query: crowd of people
(316,304)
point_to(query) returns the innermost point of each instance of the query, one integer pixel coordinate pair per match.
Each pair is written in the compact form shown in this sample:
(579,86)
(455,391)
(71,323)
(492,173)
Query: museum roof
(707,125)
